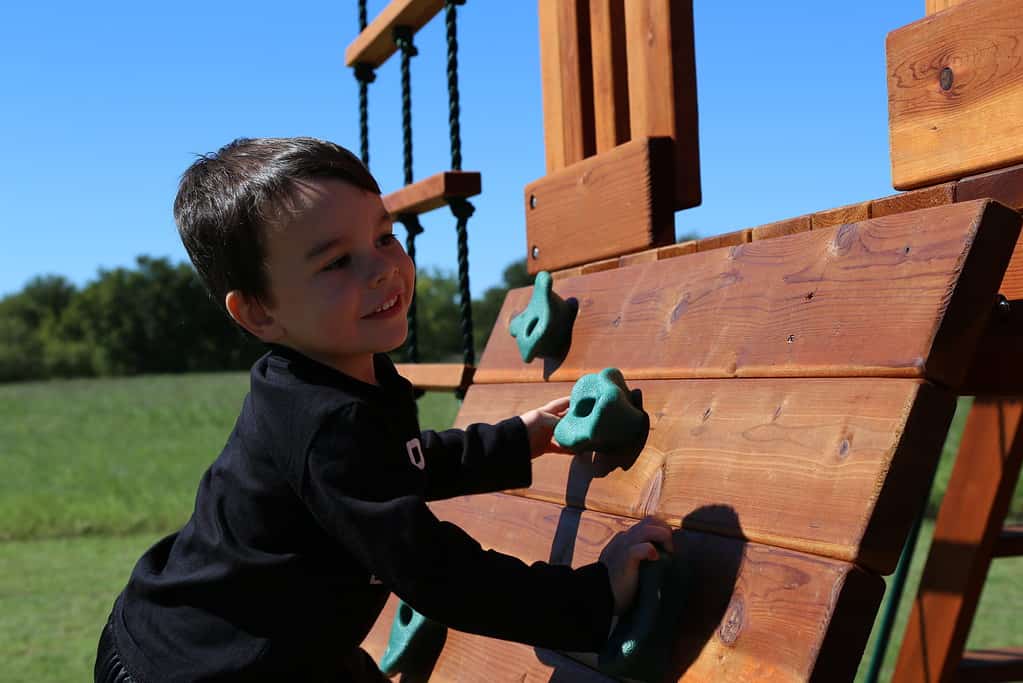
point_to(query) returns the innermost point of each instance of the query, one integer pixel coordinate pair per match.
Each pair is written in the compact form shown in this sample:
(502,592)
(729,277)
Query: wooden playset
(799,377)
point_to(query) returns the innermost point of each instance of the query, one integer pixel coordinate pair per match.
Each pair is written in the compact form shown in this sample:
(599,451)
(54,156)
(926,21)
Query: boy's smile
(340,281)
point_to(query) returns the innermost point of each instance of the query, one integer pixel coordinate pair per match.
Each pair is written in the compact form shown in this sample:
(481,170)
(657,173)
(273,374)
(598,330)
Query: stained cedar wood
(433,192)
(613,203)
(375,44)
(791,226)
(437,376)
(1001,664)
(938,195)
(662,85)
(728,239)
(567,81)
(610,76)
(845,441)
(938,5)
(853,213)
(975,125)
(968,524)
(760,613)
(822,303)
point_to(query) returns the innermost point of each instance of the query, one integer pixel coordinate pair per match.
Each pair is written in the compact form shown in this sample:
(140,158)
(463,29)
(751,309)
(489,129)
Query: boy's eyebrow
(324,246)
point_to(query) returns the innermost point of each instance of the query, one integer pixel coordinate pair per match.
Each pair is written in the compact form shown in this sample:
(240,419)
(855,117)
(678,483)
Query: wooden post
(610,73)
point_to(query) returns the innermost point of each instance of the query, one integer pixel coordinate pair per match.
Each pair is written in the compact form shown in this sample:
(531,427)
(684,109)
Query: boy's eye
(339,262)
(387,239)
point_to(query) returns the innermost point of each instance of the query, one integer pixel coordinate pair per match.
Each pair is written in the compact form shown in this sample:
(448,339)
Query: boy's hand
(540,424)
(626,550)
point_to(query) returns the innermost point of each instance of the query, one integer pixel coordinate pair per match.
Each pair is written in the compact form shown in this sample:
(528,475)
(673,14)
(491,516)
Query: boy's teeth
(386,305)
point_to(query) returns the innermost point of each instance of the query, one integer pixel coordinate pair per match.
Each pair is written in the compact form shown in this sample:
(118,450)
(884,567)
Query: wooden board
(567,81)
(938,5)
(955,93)
(662,85)
(433,192)
(728,239)
(805,464)
(853,213)
(610,74)
(791,226)
(437,376)
(375,44)
(760,613)
(938,195)
(899,296)
(608,205)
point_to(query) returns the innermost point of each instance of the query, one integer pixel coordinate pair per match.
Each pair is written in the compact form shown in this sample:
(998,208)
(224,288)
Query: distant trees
(157,317)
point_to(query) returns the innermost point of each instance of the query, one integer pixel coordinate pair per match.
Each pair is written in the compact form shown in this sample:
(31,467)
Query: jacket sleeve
(440,570)
(480,459)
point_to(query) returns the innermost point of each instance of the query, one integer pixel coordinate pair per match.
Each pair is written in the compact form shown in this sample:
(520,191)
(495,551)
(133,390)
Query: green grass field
(95,471)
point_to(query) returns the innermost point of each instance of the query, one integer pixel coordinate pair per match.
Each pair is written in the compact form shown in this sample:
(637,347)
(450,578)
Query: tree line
(158,318)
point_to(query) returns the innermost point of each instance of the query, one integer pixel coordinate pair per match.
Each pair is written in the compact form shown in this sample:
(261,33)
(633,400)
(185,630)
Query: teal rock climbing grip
(544,329)
(601,416)
(414,643)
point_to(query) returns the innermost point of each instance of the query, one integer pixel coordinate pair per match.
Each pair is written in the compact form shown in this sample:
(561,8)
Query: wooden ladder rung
(437,376)
(1009,542)
(1003,664)
(433,192)
(375,44)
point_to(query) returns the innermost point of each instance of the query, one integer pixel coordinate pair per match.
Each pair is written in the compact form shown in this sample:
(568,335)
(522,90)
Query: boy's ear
(249,312)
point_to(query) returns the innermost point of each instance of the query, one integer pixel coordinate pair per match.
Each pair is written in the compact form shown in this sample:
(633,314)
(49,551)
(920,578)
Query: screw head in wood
(945,78)
(535,252)
(532,201)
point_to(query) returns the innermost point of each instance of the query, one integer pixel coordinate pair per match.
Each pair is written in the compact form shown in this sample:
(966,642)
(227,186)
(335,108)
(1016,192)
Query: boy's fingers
(640,552)
(656,531)
(558,406)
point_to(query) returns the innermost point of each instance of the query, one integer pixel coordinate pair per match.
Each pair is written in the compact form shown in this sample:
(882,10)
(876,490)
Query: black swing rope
(461,208)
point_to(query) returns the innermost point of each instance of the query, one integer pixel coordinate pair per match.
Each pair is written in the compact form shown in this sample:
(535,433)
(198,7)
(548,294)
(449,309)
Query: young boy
(315,509)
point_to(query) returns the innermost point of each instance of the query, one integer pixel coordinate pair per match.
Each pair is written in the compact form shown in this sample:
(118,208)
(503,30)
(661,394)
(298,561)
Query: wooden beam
(1003,664)
(755,613)
(433,192)
(933,6)
(955,93)
(611,204)
(1009,542)
(901,296)
(852,213)
(662,85)
(770,451)
(791,226)
(375,44)
(610,73)
(937,195)
(566,76)
(437,376)
(728,239)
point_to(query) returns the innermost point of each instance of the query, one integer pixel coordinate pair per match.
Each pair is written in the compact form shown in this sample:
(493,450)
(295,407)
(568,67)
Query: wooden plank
(955,93)
(567,81)
(610,74)
(1003,664)
(814,465)
(433,192)
(614,203)
(995,369)
(566,272)
(1009,542)
(1005,186)
(760,613)
(662,85)
(437,376)
(939,5)
(790,226)
(969,521)
(852,213)
(375,44)
(938,195)
(729,239)
(658,253)
(900,296)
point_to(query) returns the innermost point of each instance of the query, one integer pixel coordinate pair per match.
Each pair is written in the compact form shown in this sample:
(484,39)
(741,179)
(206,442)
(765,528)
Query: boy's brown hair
(227,200)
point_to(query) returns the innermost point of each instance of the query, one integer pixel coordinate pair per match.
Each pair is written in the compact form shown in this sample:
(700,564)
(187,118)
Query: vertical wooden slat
(662,85)
(969,522)
(938,5)
(610,73)
(567,81)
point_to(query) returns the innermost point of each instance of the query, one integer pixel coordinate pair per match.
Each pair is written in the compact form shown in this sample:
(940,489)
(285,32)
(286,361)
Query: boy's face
(340,281)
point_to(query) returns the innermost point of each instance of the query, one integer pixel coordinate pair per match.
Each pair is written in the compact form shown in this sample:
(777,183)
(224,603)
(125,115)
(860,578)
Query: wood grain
(968,525)
(610,73)
(375,44)
(760,613)
(900,296)
(566,81)
(937,195)
(437,376)
(790,226)
(662,85)
(614,203)
(433,192)
(768,449)
(976,123)
(852,213)
(938,5)
(728,239)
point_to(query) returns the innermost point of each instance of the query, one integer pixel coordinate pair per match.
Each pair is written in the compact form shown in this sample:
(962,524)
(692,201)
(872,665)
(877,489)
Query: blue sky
(104,104)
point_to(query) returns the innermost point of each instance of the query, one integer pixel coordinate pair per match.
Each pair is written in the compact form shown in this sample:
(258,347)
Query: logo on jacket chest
(415,453)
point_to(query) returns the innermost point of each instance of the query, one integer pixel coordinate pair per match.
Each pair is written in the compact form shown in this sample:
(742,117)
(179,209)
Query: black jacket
(313,513)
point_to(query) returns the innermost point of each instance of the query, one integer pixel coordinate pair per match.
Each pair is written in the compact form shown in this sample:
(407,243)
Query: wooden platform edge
(433,192)
(375,44)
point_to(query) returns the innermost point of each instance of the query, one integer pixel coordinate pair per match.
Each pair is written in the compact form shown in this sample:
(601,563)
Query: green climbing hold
(601,416)
(640,646)
(544,329)
(414,643)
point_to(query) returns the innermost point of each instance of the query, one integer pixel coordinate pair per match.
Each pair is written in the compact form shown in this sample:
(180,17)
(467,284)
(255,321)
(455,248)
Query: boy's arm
(440,570)
(487,458)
